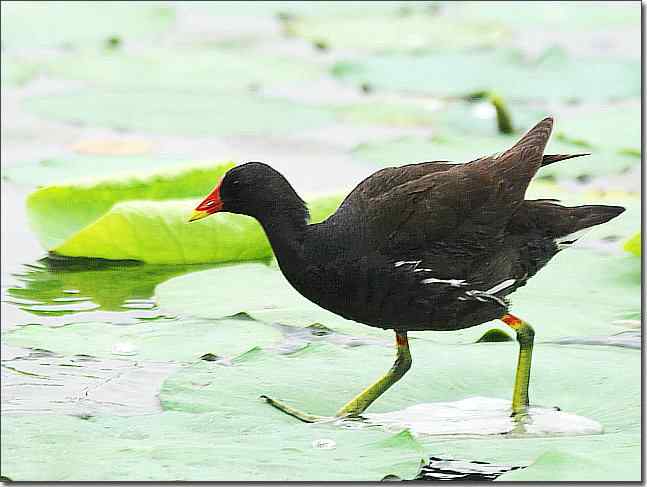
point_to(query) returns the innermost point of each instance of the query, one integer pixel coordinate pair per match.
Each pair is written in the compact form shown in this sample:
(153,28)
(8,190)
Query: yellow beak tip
(198,215)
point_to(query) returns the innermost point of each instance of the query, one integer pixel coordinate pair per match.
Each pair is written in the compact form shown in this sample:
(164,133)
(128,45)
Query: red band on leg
(401,340)
(511,320)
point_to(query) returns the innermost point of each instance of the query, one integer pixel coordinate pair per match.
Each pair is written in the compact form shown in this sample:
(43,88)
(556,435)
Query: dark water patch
(442,469)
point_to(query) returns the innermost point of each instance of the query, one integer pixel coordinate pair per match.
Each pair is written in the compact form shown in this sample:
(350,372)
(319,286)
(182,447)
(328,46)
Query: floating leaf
(633,245)
(244,288)
(154,340)
(355,8)
(60,24)
(158,233)
(598,128)
(56,170)
(398,115)
(56,212)
(174,112)
(562,16)
(415,32)
(98,218)
(16,71)
(553,76)
(573,378)
(199,447)
(183,69)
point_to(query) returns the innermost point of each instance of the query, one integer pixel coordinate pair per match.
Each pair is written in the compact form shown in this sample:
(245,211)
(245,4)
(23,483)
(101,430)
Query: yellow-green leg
(525,337)
(363,400)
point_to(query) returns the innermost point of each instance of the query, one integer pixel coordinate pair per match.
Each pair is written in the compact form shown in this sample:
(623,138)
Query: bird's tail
(549,159)
(563,223)
(583,217)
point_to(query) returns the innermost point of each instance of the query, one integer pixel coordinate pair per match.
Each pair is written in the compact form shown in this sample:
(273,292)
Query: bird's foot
(295,413)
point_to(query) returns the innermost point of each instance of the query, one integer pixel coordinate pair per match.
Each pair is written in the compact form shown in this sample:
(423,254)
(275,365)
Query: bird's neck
(285,225)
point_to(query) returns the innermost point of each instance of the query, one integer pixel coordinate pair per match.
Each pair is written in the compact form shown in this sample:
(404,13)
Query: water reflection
(57,286)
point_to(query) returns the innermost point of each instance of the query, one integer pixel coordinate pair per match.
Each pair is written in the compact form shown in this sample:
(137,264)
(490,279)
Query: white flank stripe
(501,286)
(451,282)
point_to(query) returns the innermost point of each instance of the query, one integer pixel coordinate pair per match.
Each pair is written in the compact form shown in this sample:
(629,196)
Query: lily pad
(190,447)
(158,233)
(56,212)
(16,71)
(187,69)
(127,218)
(55,170)
(415,32)
(633,245)
(258,290)
(320,378)
(387,114)
(61,24)
(311,9)
(566,15)
(180,113)
(554,76)
(154,340)
(599,128)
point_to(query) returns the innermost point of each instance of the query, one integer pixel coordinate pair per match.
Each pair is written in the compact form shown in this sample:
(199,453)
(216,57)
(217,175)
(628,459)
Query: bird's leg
(295,413)
(364,399)
(358,404)
(525,337)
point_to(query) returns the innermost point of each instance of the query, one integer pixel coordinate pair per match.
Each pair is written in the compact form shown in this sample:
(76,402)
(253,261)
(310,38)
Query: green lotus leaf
(320,378)
(354,8)
(158,233)
(59,24)
(58,211)
(258,290)
(154,340)
(597,128)
(183,69)
(633,245)
(387,114)
(199,447)
(553,76)
(57,170)
(415,32)
(181,113)
(16,71)
(558,16)
(128,217)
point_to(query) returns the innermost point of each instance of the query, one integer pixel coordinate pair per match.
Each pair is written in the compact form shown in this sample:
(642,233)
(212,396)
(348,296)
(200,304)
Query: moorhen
(428,246)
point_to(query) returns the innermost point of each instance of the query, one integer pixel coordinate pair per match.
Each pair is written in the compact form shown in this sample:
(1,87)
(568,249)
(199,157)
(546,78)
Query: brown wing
(416,205)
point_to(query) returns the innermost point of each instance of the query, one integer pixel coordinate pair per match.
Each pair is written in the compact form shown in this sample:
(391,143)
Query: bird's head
(249,189)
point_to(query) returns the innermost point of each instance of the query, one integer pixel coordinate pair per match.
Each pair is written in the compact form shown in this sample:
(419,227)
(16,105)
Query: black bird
(428,246)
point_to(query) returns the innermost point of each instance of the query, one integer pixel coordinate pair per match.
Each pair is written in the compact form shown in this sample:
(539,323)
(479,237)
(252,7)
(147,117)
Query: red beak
(210,205)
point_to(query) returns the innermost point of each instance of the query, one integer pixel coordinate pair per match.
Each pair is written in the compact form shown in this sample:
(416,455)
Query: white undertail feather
(568,240)
(501,286)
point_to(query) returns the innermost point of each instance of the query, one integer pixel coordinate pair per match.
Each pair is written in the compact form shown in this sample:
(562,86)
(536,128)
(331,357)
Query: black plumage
(428,246)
